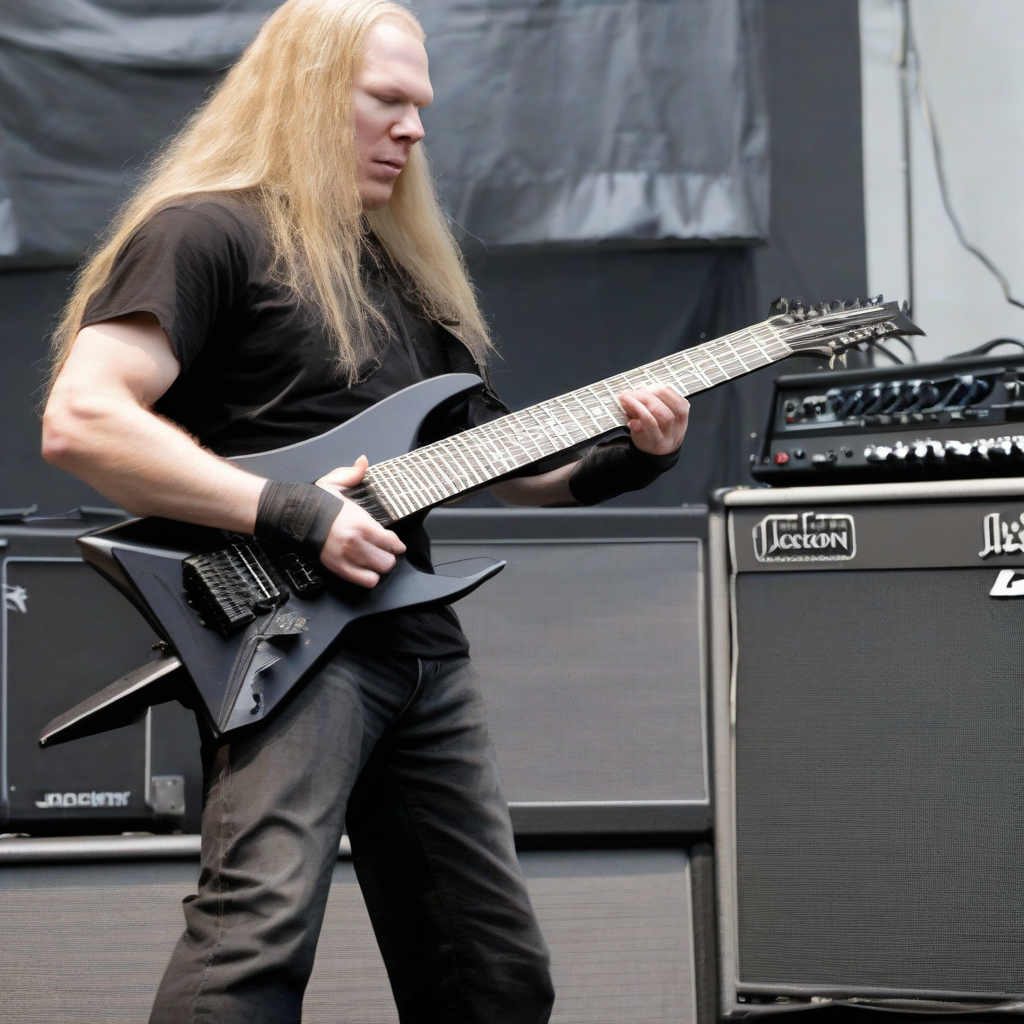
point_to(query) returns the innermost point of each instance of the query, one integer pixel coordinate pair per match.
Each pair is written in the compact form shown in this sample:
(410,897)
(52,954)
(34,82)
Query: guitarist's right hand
(358,548)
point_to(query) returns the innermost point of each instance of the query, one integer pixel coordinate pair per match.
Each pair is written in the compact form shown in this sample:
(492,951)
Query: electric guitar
(242,624)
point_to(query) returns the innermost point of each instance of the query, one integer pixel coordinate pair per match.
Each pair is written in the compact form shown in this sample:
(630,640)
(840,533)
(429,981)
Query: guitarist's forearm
(550,488)
(145,464)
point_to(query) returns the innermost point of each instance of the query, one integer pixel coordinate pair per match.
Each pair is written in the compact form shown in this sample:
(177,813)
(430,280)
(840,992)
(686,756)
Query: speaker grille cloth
(88,944)
(589,655)
(879,781)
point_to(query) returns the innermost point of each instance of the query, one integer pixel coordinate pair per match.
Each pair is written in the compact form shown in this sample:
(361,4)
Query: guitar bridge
(231,586)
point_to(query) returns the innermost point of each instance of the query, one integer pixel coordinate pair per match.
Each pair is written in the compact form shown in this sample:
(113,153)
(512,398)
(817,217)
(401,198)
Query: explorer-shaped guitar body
(240,675)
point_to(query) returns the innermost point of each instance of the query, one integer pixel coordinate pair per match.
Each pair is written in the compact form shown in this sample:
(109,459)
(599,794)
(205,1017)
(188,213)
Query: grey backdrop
(554,121)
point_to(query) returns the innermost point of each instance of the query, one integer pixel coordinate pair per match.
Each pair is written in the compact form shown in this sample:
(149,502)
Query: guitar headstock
(832,328)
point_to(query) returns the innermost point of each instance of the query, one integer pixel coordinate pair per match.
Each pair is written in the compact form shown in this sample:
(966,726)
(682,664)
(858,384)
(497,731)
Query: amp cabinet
(868,716)
(590,651)
(67,633)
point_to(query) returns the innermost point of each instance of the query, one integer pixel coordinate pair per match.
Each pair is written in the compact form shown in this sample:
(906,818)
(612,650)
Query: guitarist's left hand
(657,418)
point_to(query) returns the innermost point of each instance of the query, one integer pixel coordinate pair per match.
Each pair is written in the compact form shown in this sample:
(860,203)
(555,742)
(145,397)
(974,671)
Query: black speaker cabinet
(66,633)
(89,941)
(868,706)
(590,649)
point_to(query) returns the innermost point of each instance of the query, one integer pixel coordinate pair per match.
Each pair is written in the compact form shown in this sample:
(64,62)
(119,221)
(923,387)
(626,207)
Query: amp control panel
(922,421)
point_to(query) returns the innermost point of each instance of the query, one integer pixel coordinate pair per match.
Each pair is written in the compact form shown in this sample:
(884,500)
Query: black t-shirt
(259,371)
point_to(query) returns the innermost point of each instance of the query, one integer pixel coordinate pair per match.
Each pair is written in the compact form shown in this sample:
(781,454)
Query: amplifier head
(923,421)
(868,717)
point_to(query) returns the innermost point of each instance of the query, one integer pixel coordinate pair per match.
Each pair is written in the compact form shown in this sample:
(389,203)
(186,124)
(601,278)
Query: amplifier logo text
(805,537)
(55,801)
(1009,583)
(1002,537)
(15,599)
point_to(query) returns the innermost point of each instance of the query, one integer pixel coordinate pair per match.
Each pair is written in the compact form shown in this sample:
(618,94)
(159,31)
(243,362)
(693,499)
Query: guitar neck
(438,472)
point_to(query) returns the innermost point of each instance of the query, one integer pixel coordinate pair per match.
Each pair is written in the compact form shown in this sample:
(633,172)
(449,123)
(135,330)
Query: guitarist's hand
(358,548)
(657,418)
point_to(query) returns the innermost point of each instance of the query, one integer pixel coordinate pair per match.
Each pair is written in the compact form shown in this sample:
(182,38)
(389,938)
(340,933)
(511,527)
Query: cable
(878,347)
(940,166)
(906,344)
(983,350)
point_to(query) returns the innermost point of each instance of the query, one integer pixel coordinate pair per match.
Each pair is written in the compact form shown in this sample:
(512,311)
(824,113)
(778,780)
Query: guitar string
(410,482)
(428,475)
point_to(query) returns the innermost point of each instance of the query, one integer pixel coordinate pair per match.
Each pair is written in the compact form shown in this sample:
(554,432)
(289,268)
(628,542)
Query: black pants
(396,750)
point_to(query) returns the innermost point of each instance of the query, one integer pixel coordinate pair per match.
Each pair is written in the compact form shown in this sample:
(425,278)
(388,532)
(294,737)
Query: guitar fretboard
(437,472)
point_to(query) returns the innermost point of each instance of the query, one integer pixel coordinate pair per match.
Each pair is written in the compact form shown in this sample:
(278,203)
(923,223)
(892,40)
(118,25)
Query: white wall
(972,57)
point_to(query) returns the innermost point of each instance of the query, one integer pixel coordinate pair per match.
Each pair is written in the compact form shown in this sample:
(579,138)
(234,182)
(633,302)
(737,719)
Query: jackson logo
(805,537)
(1001,537)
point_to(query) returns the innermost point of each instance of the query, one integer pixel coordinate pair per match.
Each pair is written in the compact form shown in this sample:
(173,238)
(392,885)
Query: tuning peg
(855,304)
(906,307)
(875,300)
(838,306)
(778,307)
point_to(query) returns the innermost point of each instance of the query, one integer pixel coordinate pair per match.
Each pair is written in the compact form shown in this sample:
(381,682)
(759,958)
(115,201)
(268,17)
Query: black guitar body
(239,678)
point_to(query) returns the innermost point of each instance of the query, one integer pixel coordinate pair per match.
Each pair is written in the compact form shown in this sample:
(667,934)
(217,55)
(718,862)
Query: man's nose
(410,127)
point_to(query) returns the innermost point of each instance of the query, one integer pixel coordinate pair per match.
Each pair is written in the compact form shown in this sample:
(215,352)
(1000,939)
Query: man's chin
(376,195)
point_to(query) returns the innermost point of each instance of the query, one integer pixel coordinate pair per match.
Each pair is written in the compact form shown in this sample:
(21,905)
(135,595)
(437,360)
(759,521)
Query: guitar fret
(434,482)
(460,462)
(523,430)
(526,457)
(554,420)
(503,454)
(613,411)
(711,355)
(568,413)
(533,416)
(445,457)
(739,358)
(579,397)
(483,469)
(701,376)
(576,422)
(676,382)
(410,496)
(753,338)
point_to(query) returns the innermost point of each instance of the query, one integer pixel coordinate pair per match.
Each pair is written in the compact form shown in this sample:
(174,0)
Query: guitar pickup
(231,586)
(299,572)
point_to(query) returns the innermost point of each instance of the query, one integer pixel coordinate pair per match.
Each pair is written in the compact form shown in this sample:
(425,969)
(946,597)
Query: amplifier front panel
(878,781)
(68,633)
(617,922)
(590,654)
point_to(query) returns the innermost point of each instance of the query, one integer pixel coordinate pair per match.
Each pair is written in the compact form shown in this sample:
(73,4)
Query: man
(284,266)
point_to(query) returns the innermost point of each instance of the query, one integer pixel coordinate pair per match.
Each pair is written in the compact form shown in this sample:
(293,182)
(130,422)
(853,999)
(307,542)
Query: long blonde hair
(278,133)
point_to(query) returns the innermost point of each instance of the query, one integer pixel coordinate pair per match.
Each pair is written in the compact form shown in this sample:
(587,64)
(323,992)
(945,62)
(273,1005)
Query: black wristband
(615,467)
(300,515)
